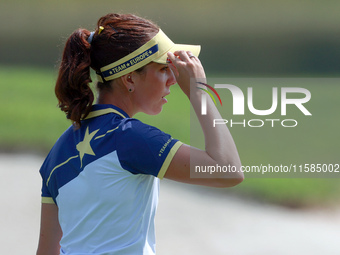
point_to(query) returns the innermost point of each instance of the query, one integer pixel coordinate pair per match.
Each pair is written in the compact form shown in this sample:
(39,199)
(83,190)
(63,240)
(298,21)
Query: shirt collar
(102,109)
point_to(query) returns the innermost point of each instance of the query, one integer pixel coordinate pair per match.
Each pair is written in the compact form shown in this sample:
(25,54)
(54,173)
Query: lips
(166,94)
(163,97)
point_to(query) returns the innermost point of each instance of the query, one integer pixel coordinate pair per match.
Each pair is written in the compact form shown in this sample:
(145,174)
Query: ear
(128,82)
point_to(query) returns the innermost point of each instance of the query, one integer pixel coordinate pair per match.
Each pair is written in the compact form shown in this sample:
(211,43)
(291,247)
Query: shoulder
(137,128)
(143,148)
(134,133)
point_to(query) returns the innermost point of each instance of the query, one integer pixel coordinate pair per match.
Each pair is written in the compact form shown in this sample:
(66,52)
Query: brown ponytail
(122,34)
(72,88)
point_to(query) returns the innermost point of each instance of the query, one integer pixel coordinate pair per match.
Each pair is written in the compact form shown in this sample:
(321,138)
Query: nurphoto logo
(204,105)
(239,99)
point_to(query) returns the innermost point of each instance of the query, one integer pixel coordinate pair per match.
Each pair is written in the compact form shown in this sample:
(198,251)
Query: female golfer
(100,180)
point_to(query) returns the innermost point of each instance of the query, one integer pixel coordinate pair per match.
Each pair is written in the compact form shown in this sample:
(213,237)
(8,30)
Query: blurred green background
(239,39)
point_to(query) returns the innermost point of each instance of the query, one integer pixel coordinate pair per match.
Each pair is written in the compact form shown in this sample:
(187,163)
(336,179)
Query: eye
(165,68)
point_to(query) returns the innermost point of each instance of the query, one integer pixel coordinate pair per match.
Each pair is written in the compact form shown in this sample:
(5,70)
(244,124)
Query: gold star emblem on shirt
(84,146)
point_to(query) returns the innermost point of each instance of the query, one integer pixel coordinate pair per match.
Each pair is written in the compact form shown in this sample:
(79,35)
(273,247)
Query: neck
(117,97)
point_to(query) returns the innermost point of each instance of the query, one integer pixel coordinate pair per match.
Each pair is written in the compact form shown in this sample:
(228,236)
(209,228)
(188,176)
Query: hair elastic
(89,40)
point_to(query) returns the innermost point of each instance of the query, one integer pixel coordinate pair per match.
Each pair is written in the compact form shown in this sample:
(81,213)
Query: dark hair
(122,34)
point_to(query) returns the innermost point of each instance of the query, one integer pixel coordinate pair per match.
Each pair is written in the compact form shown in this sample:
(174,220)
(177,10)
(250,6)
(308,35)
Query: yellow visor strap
(154,50)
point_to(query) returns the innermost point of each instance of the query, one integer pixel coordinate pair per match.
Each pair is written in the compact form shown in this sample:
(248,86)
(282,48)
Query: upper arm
(188,157)
(144,149)
(50,231)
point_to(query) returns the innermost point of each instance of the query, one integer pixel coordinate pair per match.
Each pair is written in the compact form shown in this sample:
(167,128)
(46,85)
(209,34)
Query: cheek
(147,99)
(155,89)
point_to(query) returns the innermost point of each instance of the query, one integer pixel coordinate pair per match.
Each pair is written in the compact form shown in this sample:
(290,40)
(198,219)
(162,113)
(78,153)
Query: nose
(171,79)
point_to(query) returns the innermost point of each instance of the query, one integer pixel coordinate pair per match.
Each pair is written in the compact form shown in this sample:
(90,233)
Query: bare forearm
(50,231)
(219,143)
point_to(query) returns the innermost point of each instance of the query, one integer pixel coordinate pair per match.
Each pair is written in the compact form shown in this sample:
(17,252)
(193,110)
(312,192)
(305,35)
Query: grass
(30,117)
(31,121)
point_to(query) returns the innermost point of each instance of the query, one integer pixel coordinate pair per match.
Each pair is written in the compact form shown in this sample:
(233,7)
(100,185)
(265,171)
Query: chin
(154,111)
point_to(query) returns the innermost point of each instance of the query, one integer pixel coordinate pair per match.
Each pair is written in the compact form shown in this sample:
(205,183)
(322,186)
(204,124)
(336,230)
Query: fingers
(182,59)
(185,62)
(171,59)
(184,56)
